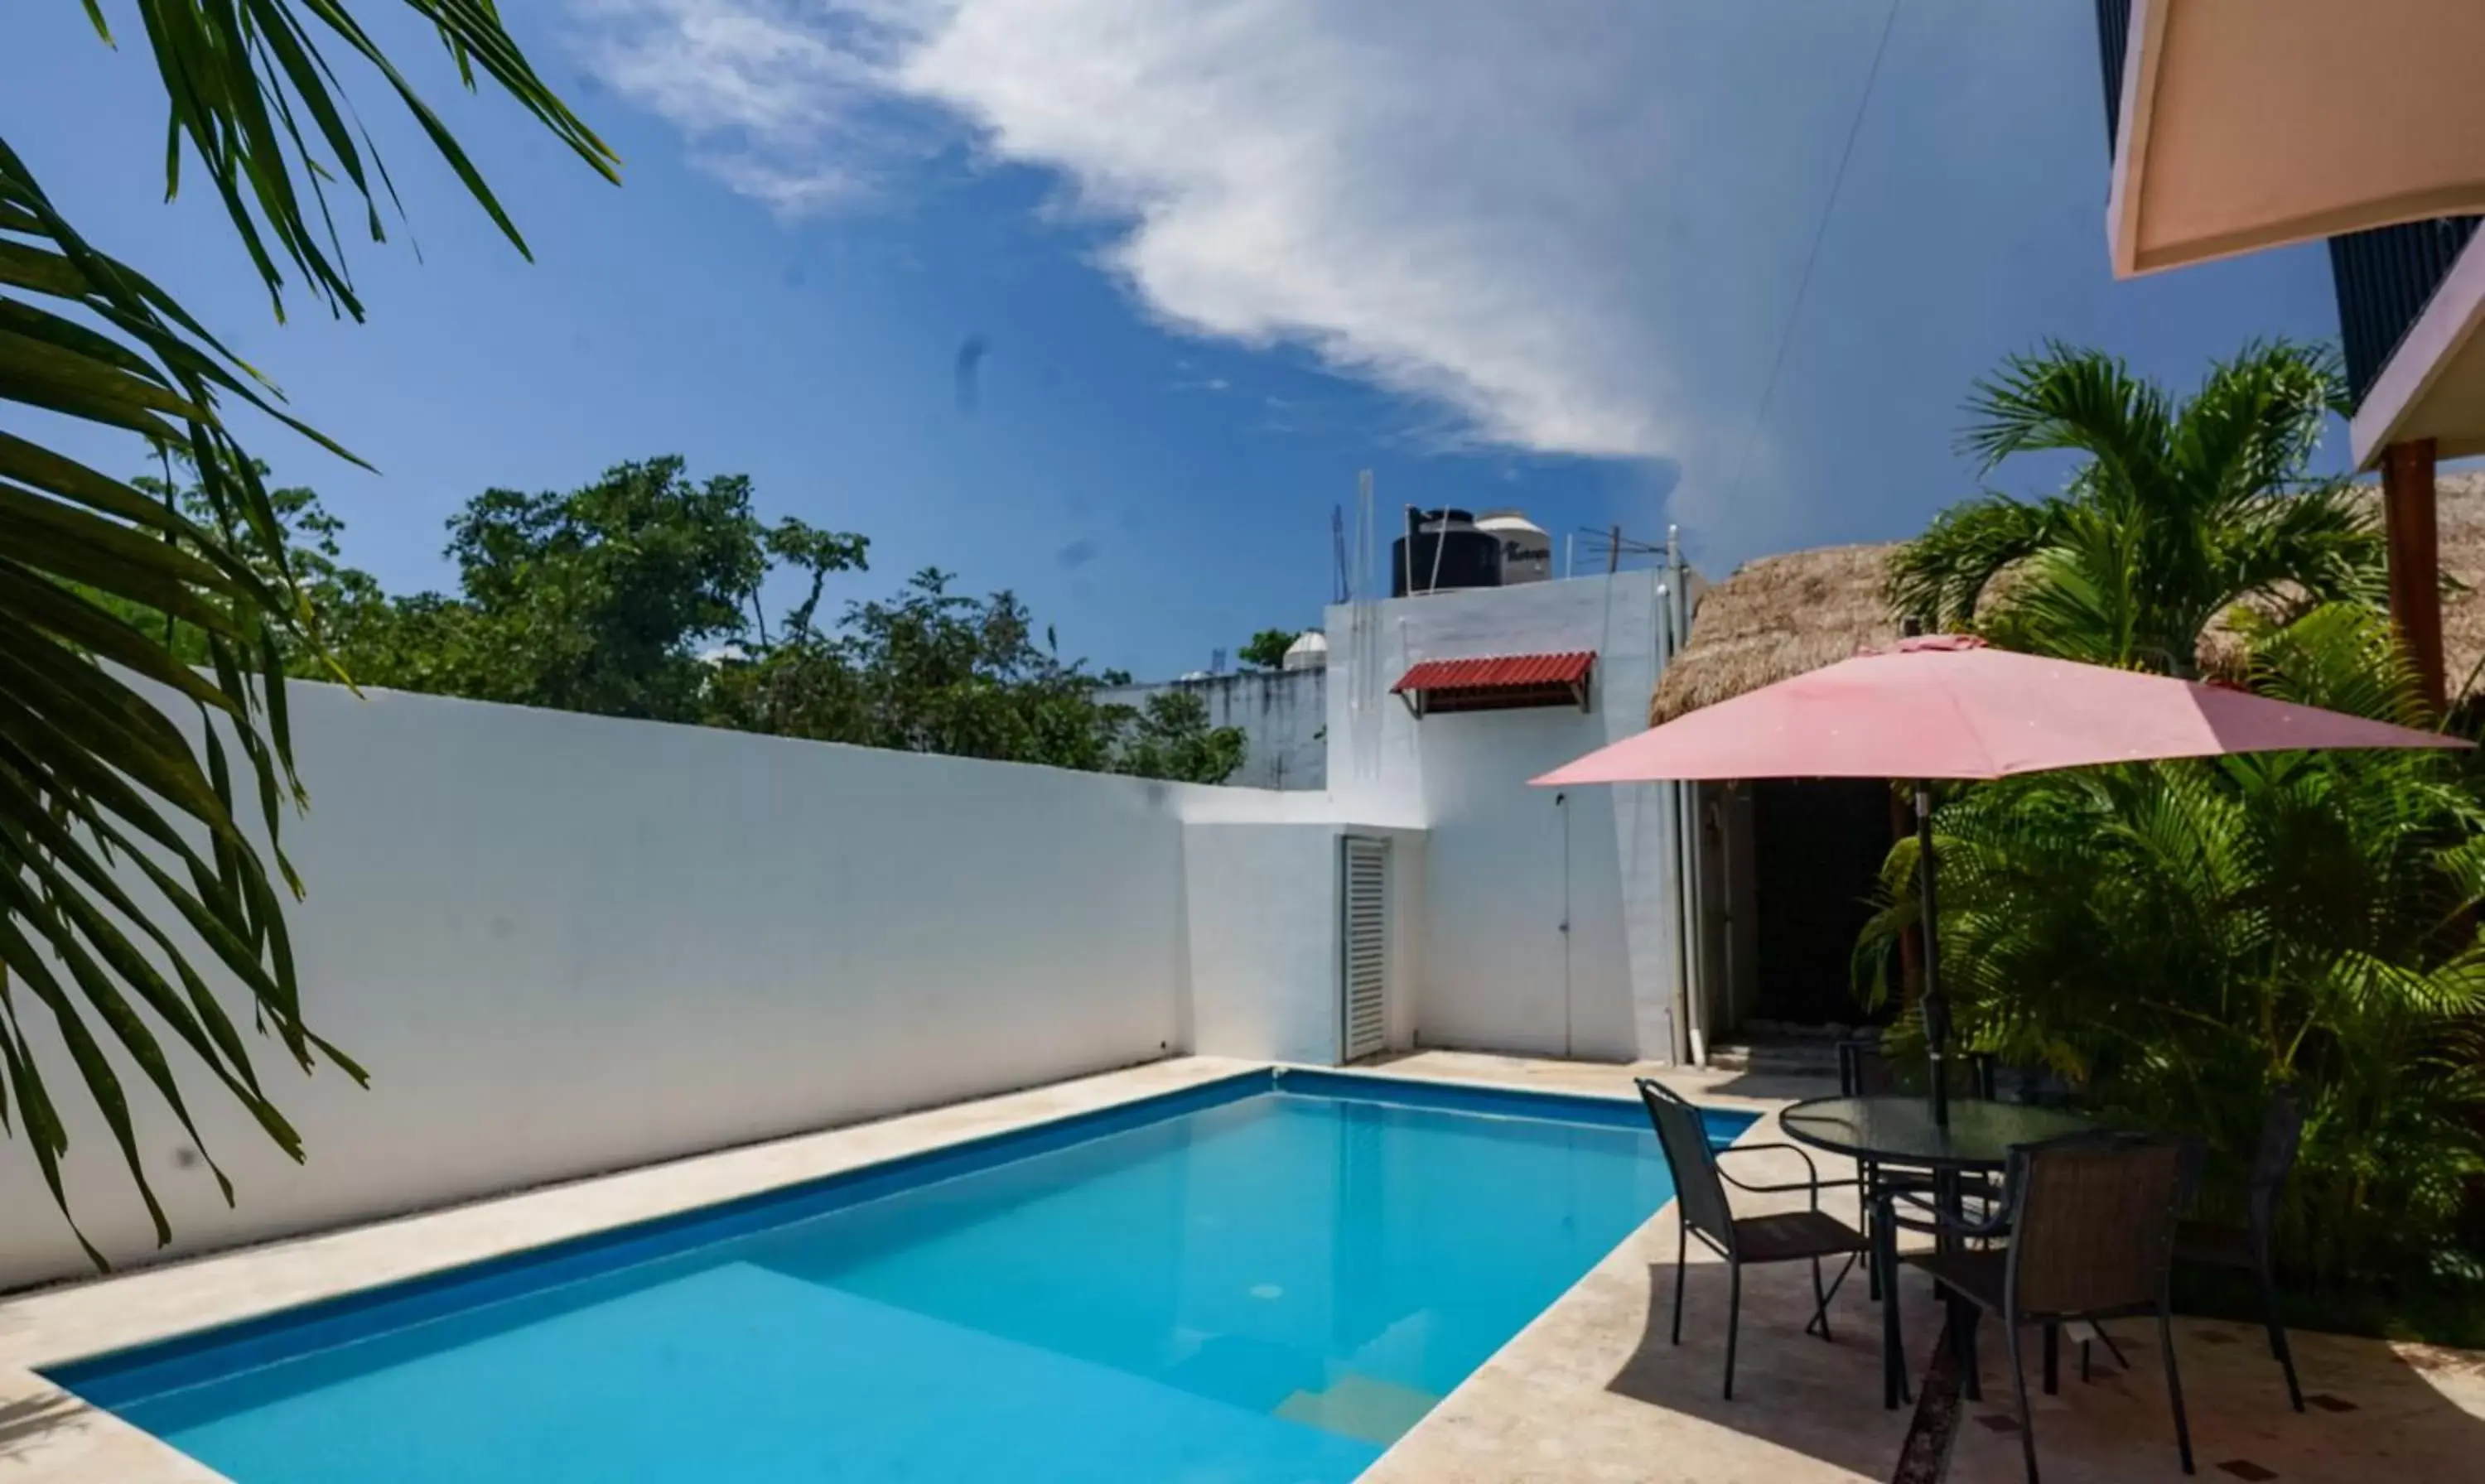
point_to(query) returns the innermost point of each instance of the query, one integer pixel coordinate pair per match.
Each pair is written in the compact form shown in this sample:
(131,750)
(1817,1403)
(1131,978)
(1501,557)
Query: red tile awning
(1497,682)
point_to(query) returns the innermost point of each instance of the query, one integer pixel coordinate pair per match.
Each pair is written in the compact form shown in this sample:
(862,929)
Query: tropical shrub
(2174,940)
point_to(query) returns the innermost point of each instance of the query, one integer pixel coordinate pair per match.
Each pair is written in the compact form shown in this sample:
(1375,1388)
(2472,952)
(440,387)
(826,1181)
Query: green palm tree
(2179,511)
(141,879)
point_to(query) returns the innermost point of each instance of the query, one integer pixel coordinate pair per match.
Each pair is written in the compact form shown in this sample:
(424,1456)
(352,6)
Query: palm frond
(2258,417)
(2067,399)
(142,877)
(2075,599)
(241,79)
(2323,543)
(1942,576)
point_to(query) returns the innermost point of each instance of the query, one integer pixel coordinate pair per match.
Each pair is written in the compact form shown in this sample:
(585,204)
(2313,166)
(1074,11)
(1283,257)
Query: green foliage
(1170,738)
(639,595)
(1267,648)
(90,767)
(2182,511)
(932,670)
(2176,939)
(597,600)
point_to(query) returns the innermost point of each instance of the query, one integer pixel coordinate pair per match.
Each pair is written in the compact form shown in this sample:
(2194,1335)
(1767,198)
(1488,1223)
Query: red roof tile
(1498,672)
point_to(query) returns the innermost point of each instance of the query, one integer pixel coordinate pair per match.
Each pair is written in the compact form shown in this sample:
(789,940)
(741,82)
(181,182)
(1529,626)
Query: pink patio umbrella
(1947,706)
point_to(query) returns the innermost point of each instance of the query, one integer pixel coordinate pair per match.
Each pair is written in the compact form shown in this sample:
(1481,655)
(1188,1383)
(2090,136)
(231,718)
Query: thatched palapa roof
(2459,513)
(1777,617)
(1780,616)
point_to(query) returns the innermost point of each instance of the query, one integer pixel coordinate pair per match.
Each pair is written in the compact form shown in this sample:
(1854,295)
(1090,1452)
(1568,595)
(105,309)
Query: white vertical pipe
(1694,921)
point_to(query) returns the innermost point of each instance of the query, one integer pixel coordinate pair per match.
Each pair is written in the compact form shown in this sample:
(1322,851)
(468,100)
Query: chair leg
(1894,1349)
(1971,1368)
(2111,1348)
(2019,1384)
(1734,1319)
(2084,1362)
(2053,1358)
(1820,1302)
(1681,1250)
(1864,1224)
(2277,1345)
(2174,1388)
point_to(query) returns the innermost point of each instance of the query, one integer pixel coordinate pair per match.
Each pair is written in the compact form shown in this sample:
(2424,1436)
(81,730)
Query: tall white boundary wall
(564,944)
(567,944)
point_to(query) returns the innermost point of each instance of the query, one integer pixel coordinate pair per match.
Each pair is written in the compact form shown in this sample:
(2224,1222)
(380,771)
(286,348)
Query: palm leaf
(139,887)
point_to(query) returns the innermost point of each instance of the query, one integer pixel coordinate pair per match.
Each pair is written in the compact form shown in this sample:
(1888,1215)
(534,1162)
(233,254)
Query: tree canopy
(1267,650)
(640,594)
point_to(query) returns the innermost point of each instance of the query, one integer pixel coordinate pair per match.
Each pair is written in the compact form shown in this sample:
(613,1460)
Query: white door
(1363,936)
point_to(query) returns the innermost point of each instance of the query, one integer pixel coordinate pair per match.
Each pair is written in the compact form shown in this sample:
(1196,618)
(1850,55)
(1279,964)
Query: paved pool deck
(1593,1389)
(1589,1390)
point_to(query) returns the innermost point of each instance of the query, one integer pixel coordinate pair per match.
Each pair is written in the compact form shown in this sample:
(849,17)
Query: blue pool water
(1263,1282)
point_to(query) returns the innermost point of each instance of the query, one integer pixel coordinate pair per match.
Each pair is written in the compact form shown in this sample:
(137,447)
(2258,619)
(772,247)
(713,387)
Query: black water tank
(1442,551)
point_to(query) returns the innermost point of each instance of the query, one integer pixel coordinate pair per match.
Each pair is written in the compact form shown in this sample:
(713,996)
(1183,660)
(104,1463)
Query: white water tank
(1526,550)
(1308,652)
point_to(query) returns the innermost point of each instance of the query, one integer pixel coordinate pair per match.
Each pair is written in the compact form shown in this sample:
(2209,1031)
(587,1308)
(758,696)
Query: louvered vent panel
(1365,936)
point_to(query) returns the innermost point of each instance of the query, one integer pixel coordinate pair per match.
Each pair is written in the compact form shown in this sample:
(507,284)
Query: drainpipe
(1679,1045)
(1689,919)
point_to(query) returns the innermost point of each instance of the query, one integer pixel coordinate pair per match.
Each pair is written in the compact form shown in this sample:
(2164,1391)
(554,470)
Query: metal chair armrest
(1815,1184)
(1776,1190)
(1885,1208)
(1797,1149)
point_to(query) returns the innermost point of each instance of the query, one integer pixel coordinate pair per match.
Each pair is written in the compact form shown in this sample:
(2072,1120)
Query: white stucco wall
(1263,934)
(566,943)
(1283,716)
(1502,873)
(1263,923)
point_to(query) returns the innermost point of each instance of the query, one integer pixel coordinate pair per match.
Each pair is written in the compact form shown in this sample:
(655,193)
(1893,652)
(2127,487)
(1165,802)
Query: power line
(1821,233)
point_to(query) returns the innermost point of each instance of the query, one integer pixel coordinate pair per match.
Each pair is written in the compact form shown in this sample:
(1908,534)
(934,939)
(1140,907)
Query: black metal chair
(1865,1069)
(2092,1224)
(1701,1202)
(2252,1247)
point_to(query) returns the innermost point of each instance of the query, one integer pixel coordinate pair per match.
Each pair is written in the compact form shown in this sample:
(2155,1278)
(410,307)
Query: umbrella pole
(1935,1008)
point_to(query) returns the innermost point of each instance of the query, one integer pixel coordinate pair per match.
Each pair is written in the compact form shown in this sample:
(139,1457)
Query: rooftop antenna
(1343,587)
(1440,544)
(1612,545)
(1366,536)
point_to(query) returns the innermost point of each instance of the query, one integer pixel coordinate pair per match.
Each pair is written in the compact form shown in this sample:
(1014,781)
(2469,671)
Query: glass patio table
(1897,1130)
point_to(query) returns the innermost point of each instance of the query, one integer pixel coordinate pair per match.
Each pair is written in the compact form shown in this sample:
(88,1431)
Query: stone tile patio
(1593,1390)
(1589,1391)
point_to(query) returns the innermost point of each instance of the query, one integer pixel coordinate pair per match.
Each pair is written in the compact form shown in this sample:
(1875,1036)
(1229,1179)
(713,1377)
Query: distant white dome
(1197,675)
(1308,652)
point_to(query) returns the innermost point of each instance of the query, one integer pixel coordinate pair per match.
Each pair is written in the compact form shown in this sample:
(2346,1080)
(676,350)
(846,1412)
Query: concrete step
(1804,1058)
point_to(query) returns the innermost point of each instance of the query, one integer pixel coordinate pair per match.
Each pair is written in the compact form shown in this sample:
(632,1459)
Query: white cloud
(776,97)
(1521,212)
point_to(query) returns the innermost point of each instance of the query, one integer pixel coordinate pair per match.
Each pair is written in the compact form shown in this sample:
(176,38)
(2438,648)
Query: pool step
(1360,1407)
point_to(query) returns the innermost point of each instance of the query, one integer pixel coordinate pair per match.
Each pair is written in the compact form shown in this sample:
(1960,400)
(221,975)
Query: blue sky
(1222,254)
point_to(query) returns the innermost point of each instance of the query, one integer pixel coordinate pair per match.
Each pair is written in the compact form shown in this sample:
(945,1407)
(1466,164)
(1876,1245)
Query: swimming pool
(1264,1280)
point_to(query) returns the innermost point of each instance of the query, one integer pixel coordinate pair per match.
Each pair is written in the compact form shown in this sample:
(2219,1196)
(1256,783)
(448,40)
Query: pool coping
(80,1325)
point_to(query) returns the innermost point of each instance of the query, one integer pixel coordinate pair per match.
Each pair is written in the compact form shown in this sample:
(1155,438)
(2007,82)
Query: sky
(1726,264)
